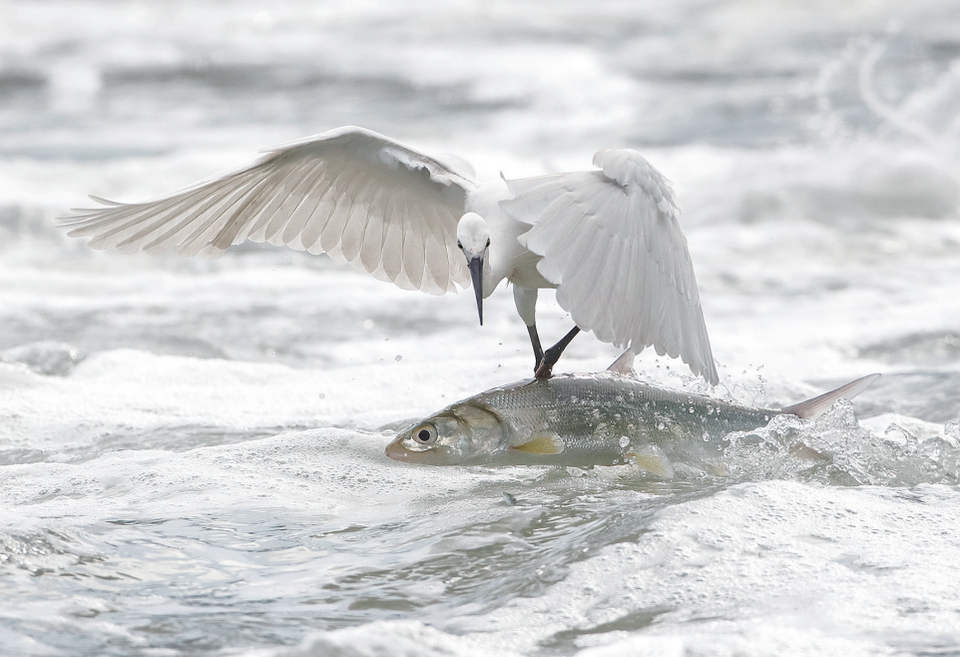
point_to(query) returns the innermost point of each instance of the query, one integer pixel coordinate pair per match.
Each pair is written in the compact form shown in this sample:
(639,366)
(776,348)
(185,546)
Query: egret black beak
(476,275)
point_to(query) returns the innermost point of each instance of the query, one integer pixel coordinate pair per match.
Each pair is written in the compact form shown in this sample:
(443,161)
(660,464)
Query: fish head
(463,434)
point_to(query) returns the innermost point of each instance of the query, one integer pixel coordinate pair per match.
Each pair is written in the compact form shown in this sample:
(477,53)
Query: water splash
(837,450)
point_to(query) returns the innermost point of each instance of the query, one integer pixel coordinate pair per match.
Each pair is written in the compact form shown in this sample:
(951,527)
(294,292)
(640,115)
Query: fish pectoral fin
(542,443)
(651,459)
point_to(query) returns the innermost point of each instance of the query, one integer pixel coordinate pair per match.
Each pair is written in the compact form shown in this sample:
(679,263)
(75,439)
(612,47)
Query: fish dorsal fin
(815,407)
(542,443)
(624,364)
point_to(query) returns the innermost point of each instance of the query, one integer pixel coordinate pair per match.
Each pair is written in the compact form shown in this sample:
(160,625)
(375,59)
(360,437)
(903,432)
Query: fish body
(586,419)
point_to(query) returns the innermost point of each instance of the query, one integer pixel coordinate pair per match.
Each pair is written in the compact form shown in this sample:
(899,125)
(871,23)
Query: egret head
(473,238)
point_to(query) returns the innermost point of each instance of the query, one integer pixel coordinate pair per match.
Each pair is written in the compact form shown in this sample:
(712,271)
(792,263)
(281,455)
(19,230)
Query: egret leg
(526,300)
(552,355)
(537,349)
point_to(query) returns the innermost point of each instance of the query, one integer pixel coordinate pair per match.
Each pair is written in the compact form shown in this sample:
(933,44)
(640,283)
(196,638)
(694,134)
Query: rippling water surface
(191,451)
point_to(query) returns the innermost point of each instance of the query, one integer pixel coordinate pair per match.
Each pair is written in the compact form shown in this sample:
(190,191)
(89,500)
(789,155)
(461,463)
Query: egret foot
(552,355)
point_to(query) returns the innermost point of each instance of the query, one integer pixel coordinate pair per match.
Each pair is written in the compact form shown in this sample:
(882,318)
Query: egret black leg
(537,349)
(552,355)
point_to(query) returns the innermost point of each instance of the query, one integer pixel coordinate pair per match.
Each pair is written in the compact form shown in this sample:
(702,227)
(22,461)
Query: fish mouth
(396,451)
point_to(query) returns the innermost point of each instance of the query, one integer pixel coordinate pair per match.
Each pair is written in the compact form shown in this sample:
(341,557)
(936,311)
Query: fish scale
(588,419)
(590,415)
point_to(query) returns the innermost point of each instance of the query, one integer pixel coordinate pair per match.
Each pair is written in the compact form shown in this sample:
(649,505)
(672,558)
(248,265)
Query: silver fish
(586,419)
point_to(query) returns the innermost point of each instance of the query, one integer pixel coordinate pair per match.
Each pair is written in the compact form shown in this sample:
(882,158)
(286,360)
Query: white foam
(382,639)
(809,568)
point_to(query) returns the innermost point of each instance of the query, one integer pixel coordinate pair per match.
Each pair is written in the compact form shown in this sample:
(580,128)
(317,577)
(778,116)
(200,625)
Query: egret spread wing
(356,195)
(611,242)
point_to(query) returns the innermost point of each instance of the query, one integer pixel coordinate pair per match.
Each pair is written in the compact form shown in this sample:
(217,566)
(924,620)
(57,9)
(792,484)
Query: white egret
(608,240)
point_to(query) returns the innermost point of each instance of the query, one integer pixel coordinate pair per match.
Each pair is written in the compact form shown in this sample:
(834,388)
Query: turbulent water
(191,451)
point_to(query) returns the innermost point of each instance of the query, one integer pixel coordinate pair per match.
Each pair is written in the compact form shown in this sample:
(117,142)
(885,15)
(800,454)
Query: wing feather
(302,210)
(352,235)
(412,251)
(611,242)
(374,235)
(239,200)
(197,219)
(447,261)
(386,208)
(562,215)
(244,215)
(310,235)
(629,316)
(605,286)
(391,259)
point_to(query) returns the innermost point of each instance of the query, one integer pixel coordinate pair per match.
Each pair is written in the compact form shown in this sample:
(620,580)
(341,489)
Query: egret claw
(544,370)
(552,355)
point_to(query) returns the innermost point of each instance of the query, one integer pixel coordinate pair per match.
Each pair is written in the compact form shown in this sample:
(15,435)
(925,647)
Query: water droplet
(398,358)
(624,441)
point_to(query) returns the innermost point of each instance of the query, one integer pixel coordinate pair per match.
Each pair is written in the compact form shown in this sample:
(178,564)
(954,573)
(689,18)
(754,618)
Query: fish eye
(425,434)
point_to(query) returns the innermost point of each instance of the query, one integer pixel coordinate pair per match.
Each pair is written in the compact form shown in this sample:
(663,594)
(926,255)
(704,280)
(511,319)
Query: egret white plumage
(608,240)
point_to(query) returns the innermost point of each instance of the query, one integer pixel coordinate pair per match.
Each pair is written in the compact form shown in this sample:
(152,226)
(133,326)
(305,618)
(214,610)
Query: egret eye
(488,241)
(459,245)
(425,434)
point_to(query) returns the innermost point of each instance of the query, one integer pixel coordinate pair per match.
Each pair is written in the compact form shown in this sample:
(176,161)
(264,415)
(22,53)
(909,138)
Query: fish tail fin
(820,404)
(624,364)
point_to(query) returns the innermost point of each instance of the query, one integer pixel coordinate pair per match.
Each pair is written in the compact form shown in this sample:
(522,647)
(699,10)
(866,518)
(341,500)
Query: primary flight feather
(608,240)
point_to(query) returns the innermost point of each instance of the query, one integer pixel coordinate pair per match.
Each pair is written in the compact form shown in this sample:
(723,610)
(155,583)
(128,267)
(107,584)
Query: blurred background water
(191,450)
